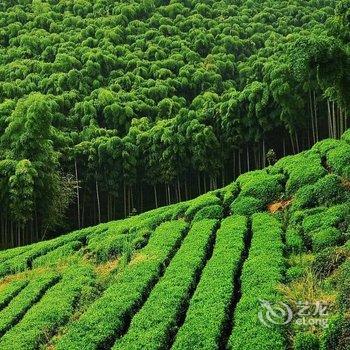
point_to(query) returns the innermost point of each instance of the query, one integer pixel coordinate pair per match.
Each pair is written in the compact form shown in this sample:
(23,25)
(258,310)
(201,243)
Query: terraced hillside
(192,275)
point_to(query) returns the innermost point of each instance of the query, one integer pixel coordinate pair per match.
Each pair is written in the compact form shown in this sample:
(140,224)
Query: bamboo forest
(174,174)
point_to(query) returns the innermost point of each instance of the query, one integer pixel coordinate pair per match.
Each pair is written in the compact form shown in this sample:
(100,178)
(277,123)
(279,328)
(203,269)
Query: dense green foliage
(152,327)
(106,318)
(24,300)
(262,272)
(229,119)
(8,292)
(53,310)
(110,106)
(207,313)
(192,275)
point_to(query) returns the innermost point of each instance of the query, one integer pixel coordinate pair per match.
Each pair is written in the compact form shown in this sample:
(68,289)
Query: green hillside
(191,275)
(108,107)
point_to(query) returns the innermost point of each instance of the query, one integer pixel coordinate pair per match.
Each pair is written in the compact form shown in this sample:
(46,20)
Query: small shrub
(179,210)
(141,238)
(344,287)
(304,198)
(246,206)
(326,191)
(57,255)
(108,247)
(266,188)
(230,192)
(245,178)
(346,136)
(306,341)
(329,190)
(344,296)
(327,237)
(339,159)
(324,146)
(294,241)
(335,216)
(297,217)
(303,169)
(312,222)
(211,212)
(199,203)
(28,296)
(10,290)
(328,260)
(336,336)
(304,175)
(294,273)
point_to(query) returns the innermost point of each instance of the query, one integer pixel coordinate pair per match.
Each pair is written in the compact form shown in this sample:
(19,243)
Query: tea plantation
(192,276)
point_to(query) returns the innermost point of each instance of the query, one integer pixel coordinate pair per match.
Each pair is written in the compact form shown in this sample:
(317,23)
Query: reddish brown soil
(278,206)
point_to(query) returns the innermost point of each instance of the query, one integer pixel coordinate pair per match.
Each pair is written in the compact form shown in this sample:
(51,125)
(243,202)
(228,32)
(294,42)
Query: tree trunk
(83,210)
(312,119)
(18,235)
(335,133)
(124,195)
(141,198)
(234,164)
(239,163)
(129,200)
(297,142)
(264,153)
(256,160)
(315,116)
(36,225)
(292,142)
(166,195)
(176,192)
(108,207)
(199,183)
(345,120)
(98,200)
(248,160)
(179,189)
(308,136)
(78,195)
(169,194)
(330,125)
(155,196)
(12,235)
(132,197)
